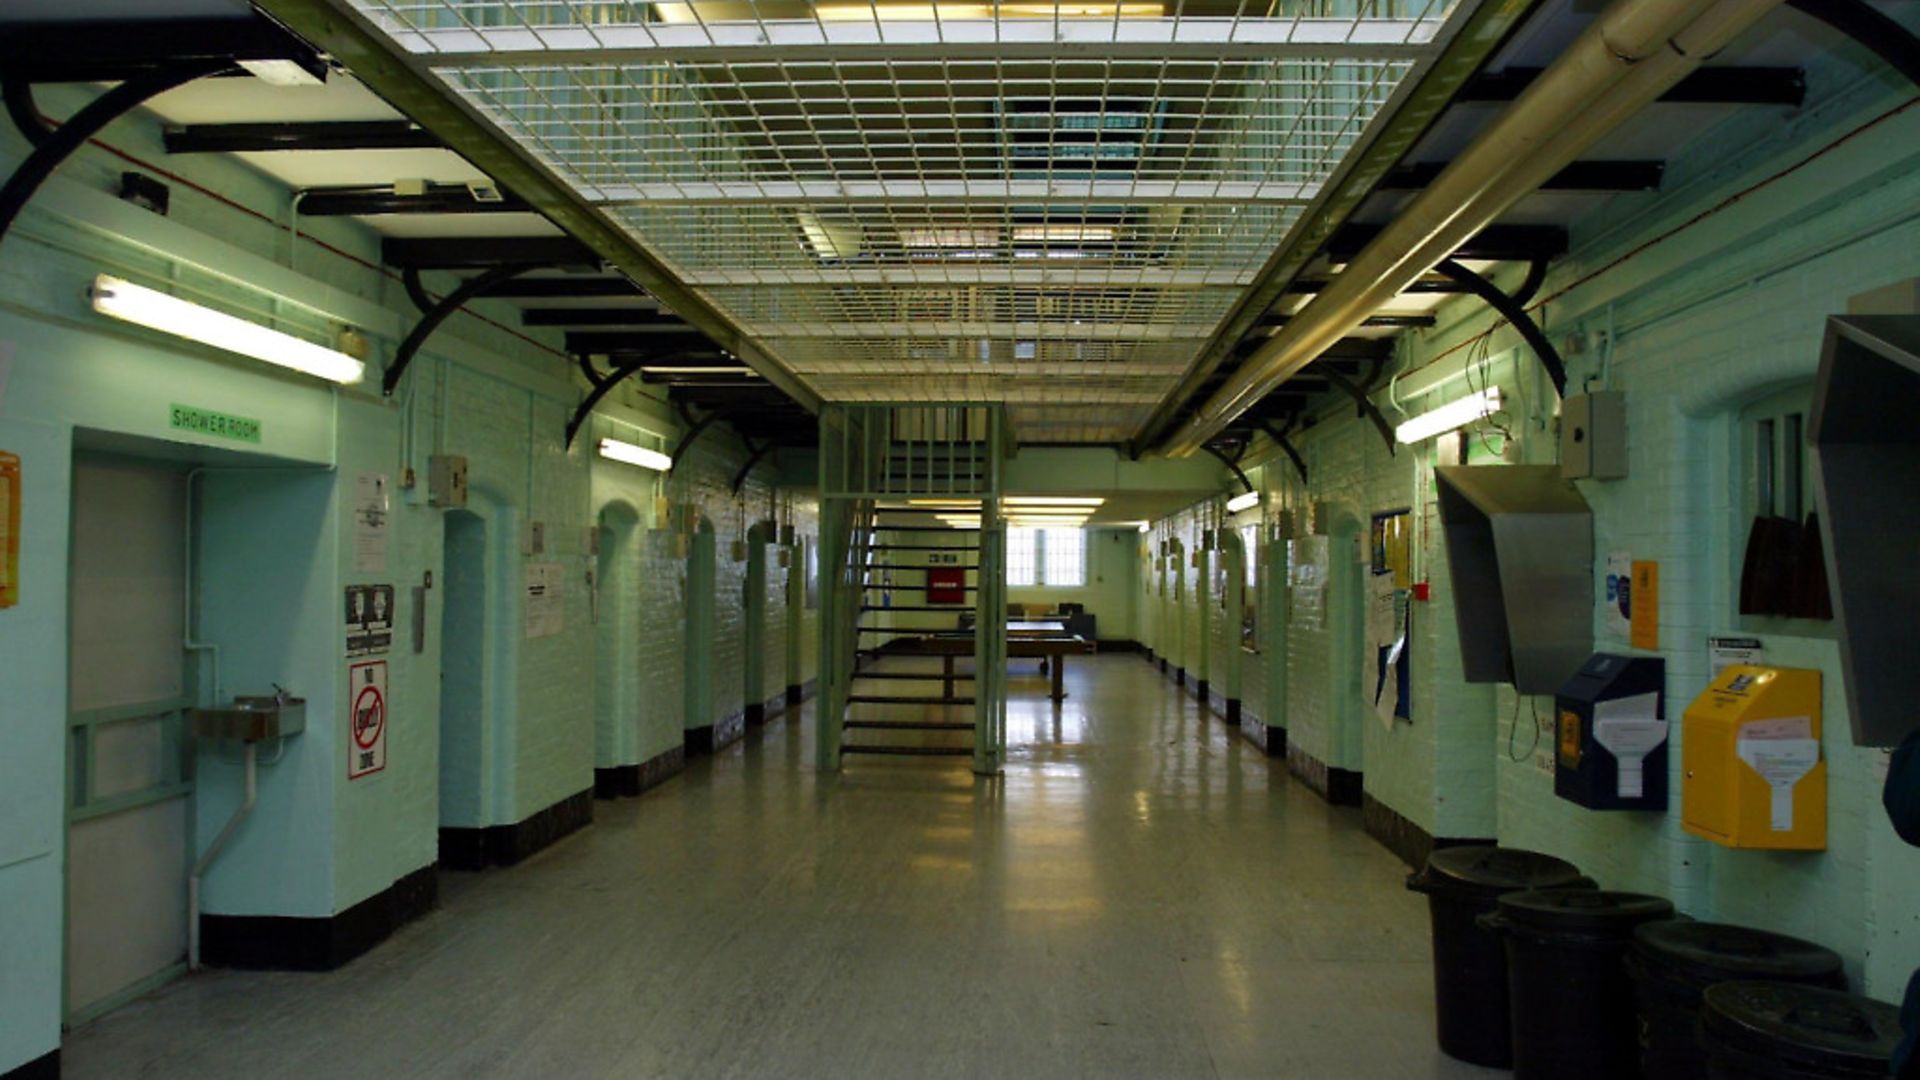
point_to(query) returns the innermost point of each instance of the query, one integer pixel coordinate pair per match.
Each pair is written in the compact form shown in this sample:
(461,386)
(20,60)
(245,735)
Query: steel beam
(439,199)
(1879,34)
(1706,86)
(571,287)
(1505,243)
(802,41)
(937,330)
(430,321)
(1083,275)
(484,252)
(602,316)
(115,50)
(1579,176)
(658,341)
(312,135)
(1515,313)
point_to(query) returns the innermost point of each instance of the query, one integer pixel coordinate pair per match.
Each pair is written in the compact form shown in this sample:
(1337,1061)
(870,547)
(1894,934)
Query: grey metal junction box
(1593,436)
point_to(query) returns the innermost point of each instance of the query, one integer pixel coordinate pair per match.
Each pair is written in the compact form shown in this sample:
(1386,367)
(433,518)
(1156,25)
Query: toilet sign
(366,718)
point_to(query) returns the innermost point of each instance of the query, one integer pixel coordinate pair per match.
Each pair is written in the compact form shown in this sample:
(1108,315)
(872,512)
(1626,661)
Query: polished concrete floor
(1140,895)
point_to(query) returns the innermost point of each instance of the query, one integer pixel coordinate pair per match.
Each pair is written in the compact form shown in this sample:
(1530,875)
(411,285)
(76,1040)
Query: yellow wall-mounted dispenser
(1751,769)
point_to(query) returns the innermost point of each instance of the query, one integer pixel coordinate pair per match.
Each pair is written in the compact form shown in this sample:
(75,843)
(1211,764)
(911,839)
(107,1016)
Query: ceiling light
(281,73)
(615,450)
(695,369)
(1053,500)
(1447,417)
(949,238)
(1243,501)
(963,504)
(1144,527)
(1079,234)
(156,310)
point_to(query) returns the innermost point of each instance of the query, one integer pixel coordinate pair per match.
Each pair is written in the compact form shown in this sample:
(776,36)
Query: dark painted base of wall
(44,1067)
(282,943)
(1118,645)
(1179,676)
(803,692)
(716,736)
(762,711)
(1201,693)
(1231,711)
(1402,837)
(504,845)
(626,781)
(1268,737)
(1163,665)
(1341,787)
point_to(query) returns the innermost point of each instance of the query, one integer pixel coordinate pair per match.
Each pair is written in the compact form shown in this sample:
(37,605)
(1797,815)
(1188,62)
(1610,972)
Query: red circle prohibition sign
(369,717)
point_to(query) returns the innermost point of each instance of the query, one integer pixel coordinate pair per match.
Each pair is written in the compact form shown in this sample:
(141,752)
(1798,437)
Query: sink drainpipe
(213,852)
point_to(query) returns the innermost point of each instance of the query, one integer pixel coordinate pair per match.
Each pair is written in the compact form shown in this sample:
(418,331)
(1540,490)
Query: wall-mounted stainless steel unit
(1866,445)
(1520,550)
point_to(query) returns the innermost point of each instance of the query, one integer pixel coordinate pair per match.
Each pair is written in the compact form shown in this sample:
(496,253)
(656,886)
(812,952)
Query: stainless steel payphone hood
(1520,549)
(1866,448)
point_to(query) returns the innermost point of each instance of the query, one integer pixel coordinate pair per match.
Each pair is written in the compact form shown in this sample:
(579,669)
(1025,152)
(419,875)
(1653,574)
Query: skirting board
(716,736)
(286,943)
(44,1067)
(1269,737)
(1400,835)
(626,781)
(504,845)
(1341,787)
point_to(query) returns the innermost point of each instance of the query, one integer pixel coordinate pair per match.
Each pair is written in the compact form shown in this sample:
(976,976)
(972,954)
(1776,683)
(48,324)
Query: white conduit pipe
(212,852)
(1631,55)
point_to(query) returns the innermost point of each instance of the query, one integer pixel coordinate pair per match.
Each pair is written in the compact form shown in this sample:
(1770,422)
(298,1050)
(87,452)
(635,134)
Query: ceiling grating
(1052,205)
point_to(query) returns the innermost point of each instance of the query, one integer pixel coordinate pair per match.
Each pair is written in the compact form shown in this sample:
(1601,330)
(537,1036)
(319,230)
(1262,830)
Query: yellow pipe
(1631,55)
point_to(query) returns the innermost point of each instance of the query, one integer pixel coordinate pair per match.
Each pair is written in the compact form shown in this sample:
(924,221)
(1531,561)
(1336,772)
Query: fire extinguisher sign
(366,718)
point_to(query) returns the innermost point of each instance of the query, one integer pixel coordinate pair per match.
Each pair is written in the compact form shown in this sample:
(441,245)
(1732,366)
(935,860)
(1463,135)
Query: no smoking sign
(366,718)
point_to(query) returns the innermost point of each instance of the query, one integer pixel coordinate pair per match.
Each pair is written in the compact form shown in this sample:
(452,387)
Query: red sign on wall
(946,586)
(366,718)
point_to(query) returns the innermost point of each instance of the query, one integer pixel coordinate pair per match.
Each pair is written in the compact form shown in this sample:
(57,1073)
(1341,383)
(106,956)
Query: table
(1052,648)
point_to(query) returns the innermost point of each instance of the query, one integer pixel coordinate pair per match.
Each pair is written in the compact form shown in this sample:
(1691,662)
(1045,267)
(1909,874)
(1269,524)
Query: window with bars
(1047,557)
(1781,575)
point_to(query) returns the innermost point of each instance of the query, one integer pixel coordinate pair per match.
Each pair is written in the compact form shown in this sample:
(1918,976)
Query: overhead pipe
(1634,52)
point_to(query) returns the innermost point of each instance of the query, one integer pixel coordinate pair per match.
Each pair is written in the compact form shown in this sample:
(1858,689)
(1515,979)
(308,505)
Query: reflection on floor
(1141,894)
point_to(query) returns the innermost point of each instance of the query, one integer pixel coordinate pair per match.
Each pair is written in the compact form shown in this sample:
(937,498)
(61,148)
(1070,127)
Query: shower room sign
(366,718)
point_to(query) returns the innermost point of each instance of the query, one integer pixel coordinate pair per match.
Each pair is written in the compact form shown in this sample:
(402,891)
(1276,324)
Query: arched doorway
(616,617)
(702,580)
(477,679)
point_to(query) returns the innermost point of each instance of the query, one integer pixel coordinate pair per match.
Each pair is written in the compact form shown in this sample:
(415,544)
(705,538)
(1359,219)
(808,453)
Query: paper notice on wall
(1619,593)
(1643,598)
(1724,652)
(1781,763)
(372,521)
(1629,728)
(546,600)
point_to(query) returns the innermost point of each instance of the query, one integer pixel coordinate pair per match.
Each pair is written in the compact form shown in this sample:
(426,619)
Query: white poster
(546,600)
(371,523)
(1619,596)
(1724,652)
(1307,564)
(366,718)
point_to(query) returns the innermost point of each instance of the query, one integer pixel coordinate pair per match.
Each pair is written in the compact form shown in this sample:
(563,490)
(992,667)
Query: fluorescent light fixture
(1244,501)
(1144,527)
(156,310)
(1454,414)
(1052,500)
(1079,234)
(672,369)
(962,504)
(281,73)
(626,452)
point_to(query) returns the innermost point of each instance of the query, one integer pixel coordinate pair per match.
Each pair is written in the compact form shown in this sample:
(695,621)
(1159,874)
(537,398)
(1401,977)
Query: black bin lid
(1707,952)
(1820,1030)
(1484,868)
(1582,911)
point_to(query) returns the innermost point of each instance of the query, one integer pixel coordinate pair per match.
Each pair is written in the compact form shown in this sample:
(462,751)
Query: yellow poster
(9,529)
(1645,603)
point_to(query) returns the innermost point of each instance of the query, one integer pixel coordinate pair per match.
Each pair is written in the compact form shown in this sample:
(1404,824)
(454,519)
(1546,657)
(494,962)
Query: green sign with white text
(218,425)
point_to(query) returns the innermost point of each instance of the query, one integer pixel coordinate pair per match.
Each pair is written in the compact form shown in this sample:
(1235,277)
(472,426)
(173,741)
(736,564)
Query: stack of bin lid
(1790,1029)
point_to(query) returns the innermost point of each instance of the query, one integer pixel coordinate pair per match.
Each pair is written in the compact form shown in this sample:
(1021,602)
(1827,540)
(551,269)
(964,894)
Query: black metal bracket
(469,289)
(1870,29)
(417,290)
(1358,391)
(52,147)
(693,432)
(1279,438)
(1231,463)
(753,458)
(602,386)
(1515,312)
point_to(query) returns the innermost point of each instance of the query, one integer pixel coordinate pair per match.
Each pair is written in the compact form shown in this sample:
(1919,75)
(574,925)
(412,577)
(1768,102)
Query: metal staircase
(910,678)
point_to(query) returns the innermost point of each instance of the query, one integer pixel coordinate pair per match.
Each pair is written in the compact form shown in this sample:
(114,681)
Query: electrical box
(1612,725)
(1593,436)
(447,481)
(1751,768)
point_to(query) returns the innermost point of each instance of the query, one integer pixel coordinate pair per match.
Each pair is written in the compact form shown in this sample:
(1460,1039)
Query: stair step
(919,547)
(910,607)
(909,751)
(930,566)
(914,676)
(906,725)
(904,699)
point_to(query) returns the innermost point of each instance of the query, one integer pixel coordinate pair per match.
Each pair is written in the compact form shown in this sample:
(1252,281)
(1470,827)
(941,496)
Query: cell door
(129,811)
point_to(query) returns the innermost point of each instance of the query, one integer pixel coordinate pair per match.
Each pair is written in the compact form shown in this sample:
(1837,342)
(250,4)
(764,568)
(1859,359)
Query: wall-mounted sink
(251,719)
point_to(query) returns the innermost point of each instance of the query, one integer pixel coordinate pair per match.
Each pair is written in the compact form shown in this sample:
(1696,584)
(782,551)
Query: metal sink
(251,719)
